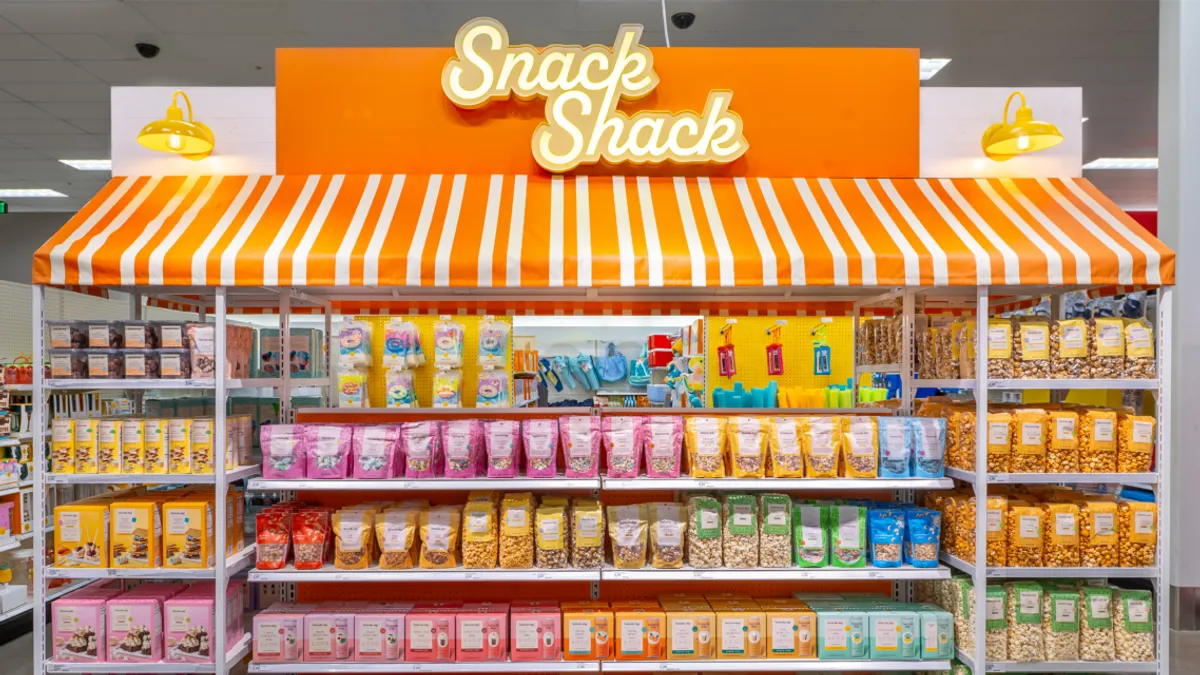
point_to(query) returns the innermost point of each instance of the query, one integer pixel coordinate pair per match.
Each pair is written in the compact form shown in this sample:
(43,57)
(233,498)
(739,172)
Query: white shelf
(481,483)
(879,368)
(1055,478)
(1019,384)
(1061,666)
(770,665)
(10,543)
(446,412)
(232,657)
(1054,572)
(102,384)
(233,565)
(765,484)
(330,573)
(393,667)
(906,573)
(151,478)
(53,595)
(944,384)
(10,442)
(957,563)
(12,490)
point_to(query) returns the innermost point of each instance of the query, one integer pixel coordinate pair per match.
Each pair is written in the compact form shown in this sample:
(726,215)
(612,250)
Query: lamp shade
(189,138)
(1003,141)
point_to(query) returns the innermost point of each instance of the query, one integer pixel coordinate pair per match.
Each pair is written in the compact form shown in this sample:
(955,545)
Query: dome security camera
(683,20)
(147,50)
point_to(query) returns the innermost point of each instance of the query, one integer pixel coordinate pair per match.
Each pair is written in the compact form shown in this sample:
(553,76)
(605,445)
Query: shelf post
(285,361)
(221,487)
(979,578)
(907,338)
(1163,403)
(39,484)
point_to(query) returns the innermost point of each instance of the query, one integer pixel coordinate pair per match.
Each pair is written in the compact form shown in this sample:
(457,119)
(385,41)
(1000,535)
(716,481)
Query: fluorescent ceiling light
(1086,119)
(89,164)
(29,192)
(1128,163)
(930,67)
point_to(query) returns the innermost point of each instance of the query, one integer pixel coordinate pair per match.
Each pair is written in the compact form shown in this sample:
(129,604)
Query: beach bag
(612,366)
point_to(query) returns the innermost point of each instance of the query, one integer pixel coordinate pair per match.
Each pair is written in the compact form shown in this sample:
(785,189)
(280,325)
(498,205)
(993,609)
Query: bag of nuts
(895,447)
(960,436)
(1025,640)
(1069,349)
(480,536)
(552,532)
(740,538)
(1098,533)
(663,436)
(997,548)
(822,443)
(1098,441)
(1032,347)
(999,437)
(747,443)
(848,525)
(783,440)
(1060,545)
(1135,444)
(1029,442)
(929,446)
(1096,625)
(1133,625)
(1062,453)
(667,536)
(996,623)
(811,543)
(1024,535)
(353,529)
(627,529)
(587,534)
(705,440)
(1000,349)
(775,530)
(1137,533)
(516,531)
(886,534)
(704,545)
(860,447)
(1139,349)
(396,535)
(921,533)
(1060,624)
(1106,348)
(622,437)
(439,537)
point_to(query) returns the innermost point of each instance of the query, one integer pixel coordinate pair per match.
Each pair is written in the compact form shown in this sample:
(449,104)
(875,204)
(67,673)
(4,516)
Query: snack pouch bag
(922,533)
(668,523)
(664,445)
(811,542)
(374,451)
(461,445)
(747,443)
(860,447)
(895,447)
(480,534)
(886,534)
(439,537)
(422,448)
(822,443)
(353,530)
(929,446)
(783,442)
(581,445)
(622,438)
(848,525)
(550,522)
(329,451)
(540,438)
(396,535)
(283,450)
(627,529)
(502,438)
(705,438)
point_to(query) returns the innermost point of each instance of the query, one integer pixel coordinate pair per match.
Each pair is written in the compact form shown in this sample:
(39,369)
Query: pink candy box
(77,629)
(535,633)
(189,628)
(328,636)
(278,635)
(379,635)
(482,632)
(429,634)
(581,445)
(135,628)
(329,451)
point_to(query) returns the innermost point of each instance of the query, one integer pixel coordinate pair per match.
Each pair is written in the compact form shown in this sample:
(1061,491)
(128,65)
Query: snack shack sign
(582,87)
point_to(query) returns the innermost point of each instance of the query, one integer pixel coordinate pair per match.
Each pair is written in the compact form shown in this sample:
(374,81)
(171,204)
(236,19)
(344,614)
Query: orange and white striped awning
(533,231)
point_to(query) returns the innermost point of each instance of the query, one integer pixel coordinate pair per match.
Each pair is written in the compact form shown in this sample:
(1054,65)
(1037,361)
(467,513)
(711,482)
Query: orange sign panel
(807,112)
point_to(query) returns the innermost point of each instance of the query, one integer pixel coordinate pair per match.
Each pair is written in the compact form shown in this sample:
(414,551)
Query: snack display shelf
(480,483)
(905,573)
(878,368)
(445,412)
(770,665)
(147,478)
(490,667)
(1056,478)
(11,490)
(1053,572)
(53,595)
(91,384)
(775,484)
(10,442)
(232,656)
(10,543)
(233,564)
(331,574)
(944,384)
(1062,666)
(1019,384)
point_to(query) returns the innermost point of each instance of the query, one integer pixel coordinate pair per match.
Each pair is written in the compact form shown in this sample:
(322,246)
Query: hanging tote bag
(612,367)
(639,370)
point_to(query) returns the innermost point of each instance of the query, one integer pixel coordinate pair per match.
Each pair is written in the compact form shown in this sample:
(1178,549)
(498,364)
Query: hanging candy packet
(283,450)
(448,344)
(447,389)
(623,437)
(540,438)
(663,441)
(492,390)
(502,438)
(329,452)
(374,451)
(460,444)
(401,390)
(493,343)
(354,345)
(402,345)
(352,389)
(422,447)
(581,445)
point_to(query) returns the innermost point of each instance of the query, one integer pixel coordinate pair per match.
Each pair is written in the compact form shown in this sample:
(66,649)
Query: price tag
(730,320)
(416,667)
(874,575)
(472,576)
(111,573)
(703,575)
(805,575)
(703,484)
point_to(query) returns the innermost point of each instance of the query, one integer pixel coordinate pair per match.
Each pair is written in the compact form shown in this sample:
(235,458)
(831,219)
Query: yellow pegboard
(423,375)
(750,341)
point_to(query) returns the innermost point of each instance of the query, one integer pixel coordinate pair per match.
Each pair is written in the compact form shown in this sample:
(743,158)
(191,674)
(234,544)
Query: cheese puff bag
(493,343)
(401,392)
(447,389)
(492,391)
(402,345)
(354,345)
(448,344)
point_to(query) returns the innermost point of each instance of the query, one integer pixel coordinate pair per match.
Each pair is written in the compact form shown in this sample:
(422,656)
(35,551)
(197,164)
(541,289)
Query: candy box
(155,453)
(85,446)
(379,634)
(791,633)
(81,535)
(189,621)
(135,628)
(204,444)
(535,633)
(136,534)
(482,632)
(328,636)
(188,534)
(133,446)
(62,445)
(893,635)
(841,635)
(586,632)
(937,633)
(179,445)
(639,634)
(429,634)
(740,633)
(108,446)
(78,624)
(689,634)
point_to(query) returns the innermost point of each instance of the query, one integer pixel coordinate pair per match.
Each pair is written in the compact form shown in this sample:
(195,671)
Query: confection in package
(78,627)
(189,622)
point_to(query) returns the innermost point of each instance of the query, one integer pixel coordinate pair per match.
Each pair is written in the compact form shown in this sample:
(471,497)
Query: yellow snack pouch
(705,439)
(822,443)
(747,442)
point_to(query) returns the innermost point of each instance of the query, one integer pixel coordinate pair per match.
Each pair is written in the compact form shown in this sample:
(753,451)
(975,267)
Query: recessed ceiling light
(1127,163)
(89,164)
(930,67)
(1085,119)
(14,193)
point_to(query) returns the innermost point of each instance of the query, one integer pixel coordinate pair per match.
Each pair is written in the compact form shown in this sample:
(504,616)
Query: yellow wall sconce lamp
(188,138)
(1003,141)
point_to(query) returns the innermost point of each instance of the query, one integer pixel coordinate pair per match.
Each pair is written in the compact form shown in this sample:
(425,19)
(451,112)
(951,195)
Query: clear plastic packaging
(401,389)
(740,538)
(627,528)
(774,530)
(784,445)
(492,388)
(284,451)
(105,334)
(895,447)
(929,446)
(1135,443)
(1096,625)
(587,534)
(704,535)
(173,334)
(1025,640)
(811,540)
(1029,441)
(540,439)
(1139,350)
(402,345)
(174,364)
(422,448)
(1060,624)
(67,334)
(664,445)
(142,335)
(860,447)
(493,343)
(448,344)
(747,443)
(352,389)
(553,532)
(623,440)
(1060,543)
(517,531)
(447,389)
(849,527)
(1133,625)
(354,345)
(822,443)
(1098,441)
(1062,450)
(374,451)
(667,534)
(141,364)
(705,440)
(329,452)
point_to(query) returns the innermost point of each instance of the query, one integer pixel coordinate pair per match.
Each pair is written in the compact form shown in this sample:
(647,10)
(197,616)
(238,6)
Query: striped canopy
(542,232)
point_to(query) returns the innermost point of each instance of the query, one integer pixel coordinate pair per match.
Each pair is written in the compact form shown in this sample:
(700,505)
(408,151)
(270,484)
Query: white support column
(39,485)
(1165,460)
(854,352)
(285,348)
(219,645)
(907,341)
(980,480)
(330,371)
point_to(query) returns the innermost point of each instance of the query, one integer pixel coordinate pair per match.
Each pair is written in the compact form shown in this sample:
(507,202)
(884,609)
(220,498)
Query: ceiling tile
(65,92)
(26,48)
(88,46)
(5,96)
(92,126)
(7,28)
(22,111)
(43,126)
(70,144)
(42,72)
(77,110)
(8,153)
(352,22)
(97,16)
(266,16)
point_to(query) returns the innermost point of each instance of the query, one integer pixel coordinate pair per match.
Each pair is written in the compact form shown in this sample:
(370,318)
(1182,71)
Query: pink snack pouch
(461,441)
(503,441)
(329,451)
(581,445)
(374,451)
(623,437)
(540,437)
(663,444)
(284,449)
(422,445)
